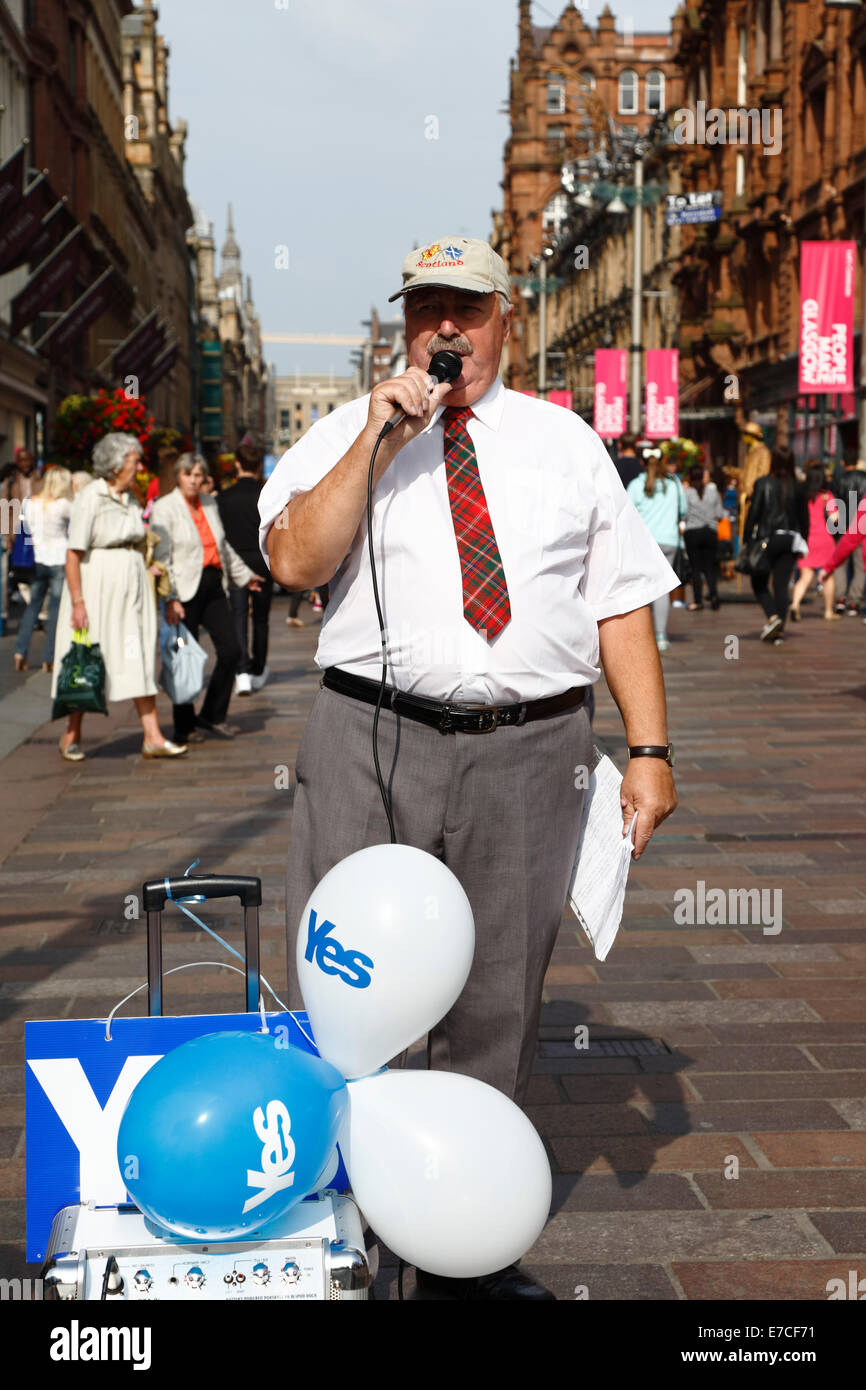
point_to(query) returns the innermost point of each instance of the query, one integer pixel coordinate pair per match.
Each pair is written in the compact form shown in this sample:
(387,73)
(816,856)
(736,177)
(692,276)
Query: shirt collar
(488,409)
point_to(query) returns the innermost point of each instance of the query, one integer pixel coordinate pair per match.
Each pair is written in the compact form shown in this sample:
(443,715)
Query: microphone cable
(386,795)
(444,366)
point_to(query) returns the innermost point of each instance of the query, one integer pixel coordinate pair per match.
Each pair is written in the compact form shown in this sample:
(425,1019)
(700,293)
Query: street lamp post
(530,287)
(637,300)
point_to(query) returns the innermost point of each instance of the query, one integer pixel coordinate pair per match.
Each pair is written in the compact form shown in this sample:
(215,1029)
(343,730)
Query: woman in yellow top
(108,592)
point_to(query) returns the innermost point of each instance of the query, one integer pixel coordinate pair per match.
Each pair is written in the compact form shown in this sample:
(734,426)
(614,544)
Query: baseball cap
(461,262)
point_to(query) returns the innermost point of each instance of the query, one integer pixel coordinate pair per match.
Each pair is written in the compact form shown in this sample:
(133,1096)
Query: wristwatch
(654,750)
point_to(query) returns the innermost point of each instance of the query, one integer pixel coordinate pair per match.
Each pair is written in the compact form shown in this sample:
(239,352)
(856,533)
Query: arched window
(655,90)
(586,80)
(555,94)
(628,93)
(555,214)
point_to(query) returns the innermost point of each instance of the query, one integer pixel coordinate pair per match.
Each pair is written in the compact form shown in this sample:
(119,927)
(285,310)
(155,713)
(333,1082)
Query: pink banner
(563,398)
(827,316)
(662,393)
(609,414)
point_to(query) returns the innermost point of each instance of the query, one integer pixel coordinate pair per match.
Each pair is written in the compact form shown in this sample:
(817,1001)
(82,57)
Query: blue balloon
(227,1132)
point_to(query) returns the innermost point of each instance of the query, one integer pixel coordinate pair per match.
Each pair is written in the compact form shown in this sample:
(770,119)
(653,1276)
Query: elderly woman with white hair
(108,592)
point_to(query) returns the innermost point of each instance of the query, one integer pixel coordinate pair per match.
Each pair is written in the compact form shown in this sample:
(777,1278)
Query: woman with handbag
(661,503)
(777,521)
(199,559)
(108,593)
(47,518)
(701,534)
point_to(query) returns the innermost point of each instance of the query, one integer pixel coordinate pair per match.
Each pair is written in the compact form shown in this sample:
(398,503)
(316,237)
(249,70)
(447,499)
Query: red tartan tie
(485,592)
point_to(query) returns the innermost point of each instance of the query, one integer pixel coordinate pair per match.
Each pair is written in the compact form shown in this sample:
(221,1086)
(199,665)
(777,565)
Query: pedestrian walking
(108,592)
(193,547)
(239,513)
(852,541)
(850,490)
(20,480)
(495,721)
(701,534)
(627,461)
(46,516)
(778,514)
(823,515)
(660,502)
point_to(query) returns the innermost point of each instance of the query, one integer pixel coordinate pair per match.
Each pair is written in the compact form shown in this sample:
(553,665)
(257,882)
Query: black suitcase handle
(157,891)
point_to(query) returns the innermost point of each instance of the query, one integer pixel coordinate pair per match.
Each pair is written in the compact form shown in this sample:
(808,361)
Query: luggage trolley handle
(157,891)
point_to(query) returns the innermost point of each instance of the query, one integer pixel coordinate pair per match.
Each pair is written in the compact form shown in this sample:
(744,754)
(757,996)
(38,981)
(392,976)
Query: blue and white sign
(683,209)
(76,1091)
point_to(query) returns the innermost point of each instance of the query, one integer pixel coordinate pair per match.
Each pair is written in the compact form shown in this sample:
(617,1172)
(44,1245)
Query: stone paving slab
(760,1040)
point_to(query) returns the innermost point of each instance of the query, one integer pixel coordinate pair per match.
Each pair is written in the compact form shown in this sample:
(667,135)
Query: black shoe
(715,604)
(512,1282)
(221,730)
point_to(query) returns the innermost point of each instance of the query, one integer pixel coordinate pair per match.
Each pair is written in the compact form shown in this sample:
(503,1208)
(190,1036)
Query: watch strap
(651,750)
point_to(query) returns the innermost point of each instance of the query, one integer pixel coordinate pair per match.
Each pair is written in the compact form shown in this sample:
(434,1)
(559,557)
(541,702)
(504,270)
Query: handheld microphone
(444,366)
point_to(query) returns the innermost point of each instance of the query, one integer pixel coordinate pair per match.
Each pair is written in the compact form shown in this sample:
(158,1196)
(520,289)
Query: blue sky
(311,117)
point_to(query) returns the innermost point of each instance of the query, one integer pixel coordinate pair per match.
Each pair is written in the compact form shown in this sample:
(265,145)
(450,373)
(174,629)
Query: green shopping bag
(81,682)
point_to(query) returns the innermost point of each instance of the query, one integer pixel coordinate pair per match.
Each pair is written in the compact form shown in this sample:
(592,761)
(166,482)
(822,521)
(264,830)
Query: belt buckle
(487,709)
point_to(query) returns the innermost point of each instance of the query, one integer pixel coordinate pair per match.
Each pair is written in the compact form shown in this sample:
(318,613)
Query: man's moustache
(449,346)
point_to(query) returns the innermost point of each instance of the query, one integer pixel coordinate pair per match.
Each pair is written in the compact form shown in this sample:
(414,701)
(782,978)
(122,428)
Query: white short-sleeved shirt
(573,548)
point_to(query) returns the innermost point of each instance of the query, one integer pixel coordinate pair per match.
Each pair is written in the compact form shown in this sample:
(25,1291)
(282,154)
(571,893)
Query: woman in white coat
(108,591)
(193,547)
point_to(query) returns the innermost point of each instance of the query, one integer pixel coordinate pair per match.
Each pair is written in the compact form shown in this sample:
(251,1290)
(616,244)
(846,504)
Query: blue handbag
(23,552)
(183,663)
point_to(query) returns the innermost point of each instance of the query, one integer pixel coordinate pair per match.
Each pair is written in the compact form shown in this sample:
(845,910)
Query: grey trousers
(501,810)
(858,579)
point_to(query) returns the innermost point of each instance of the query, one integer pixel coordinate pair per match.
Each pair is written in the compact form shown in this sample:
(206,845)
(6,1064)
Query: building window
(330,406)
(742,68)
(284,419)
(628,93)
(314,414)
(740,176)
(555,94)
(655,90)
(556,135)
(762,34)
(555,214)
(586,80)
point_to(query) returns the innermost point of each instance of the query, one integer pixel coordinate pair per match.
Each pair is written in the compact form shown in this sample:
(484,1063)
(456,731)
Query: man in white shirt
(509,563)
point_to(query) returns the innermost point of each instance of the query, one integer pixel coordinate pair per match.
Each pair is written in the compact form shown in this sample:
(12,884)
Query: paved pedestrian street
(702,1093)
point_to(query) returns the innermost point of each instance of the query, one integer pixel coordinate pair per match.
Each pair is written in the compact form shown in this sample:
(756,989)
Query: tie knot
(456,415)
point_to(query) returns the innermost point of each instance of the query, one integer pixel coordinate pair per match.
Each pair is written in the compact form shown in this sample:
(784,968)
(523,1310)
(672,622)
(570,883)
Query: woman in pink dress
(823,512)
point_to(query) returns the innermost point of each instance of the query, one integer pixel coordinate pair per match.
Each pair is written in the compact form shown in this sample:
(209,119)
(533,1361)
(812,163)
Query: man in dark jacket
(627,461)
(239,513)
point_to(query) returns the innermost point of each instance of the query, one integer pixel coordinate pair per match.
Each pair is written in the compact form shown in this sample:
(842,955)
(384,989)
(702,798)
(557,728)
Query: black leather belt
(447,718)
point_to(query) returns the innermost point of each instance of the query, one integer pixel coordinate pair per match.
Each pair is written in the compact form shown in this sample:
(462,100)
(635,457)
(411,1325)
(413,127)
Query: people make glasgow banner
(827,272)
(609,400)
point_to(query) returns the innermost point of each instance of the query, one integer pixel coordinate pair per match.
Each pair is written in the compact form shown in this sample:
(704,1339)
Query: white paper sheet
(600,873)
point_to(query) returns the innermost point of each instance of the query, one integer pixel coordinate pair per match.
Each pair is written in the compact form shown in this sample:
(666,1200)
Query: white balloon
(384,947)
(449,1172)
(328,1173)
